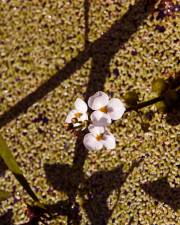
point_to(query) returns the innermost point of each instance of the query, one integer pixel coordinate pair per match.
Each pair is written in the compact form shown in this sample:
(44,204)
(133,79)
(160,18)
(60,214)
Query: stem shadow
(94,191)
(6,219)
(3,168)
(105,46)
(97,190)
(68,178)
(104,49)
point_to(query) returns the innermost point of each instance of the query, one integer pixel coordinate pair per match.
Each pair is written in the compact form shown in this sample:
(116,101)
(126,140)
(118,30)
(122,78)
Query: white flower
(98,137)
(79,114)
(105,109)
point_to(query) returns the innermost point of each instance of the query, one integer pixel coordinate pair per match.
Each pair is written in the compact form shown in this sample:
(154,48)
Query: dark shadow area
(35,215)
(101,50)
(173,100)
(3,167)
(173,118)
(61,177)
(6,219)
(98,188)
(104,49)
(65,208)
(66,178)
(45,88)
(61,208)
(161,191)
(94,191)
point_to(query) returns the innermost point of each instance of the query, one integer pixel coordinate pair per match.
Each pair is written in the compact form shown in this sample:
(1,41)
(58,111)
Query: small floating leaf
(131,98)
(159,86)
(161,107)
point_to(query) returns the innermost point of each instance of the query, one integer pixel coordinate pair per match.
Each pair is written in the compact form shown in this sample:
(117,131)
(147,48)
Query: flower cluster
(105,110)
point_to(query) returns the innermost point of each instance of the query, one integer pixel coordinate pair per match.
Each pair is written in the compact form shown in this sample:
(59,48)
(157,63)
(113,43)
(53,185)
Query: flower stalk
(151,101)
(145,104)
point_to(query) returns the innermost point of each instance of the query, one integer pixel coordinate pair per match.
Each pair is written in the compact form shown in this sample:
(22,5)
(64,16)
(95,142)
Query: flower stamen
(99,137)
(104,109)
(78,115)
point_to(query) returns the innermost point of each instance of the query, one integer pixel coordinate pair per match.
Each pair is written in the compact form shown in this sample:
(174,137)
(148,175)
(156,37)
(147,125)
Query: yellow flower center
(104,109)
(99,137)
(78,115)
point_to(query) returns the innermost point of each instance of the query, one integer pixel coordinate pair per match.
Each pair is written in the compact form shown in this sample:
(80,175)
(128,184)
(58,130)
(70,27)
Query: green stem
(149,102)
(145,104)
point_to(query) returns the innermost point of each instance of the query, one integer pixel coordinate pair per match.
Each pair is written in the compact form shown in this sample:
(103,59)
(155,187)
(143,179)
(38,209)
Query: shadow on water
(94,191)
(101,51)
(6,219)
(104,49)
(97,190)
(67,178)
(161,191)
(173,113)
(3,168)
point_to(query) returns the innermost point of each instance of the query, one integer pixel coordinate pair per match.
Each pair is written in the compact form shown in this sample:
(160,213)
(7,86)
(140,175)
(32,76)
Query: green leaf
(159,86)
(131,98)
(4,195)
(8,158)
(161,106)
(11,163)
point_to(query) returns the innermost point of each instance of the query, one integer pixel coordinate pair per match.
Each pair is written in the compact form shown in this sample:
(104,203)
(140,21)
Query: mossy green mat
(52,52)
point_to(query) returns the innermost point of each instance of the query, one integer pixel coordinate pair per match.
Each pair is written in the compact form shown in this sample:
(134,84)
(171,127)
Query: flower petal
(80,105)
(100,119)
(116,108)
(98,100)
(109,140)
(95,130)
(91,143)
(76,124)
(83,117)
(70,116)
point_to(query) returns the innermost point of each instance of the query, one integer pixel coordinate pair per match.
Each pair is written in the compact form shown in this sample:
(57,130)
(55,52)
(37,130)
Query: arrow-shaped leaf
(11,163)
(8,158)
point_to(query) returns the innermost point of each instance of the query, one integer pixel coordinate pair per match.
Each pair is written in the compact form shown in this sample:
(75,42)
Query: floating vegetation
(53,52)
